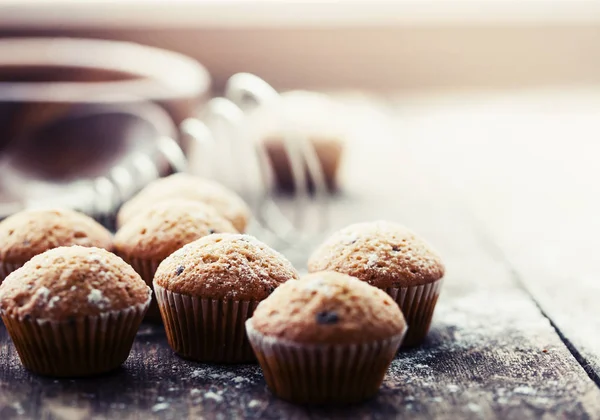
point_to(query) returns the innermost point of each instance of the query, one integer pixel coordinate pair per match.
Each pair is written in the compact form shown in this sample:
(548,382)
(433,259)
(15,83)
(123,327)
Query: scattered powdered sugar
(197,373)
(96,297)
(18,408)
(94,257)
(317,284)
(42,293)
(213,396)
(453,388)
(473,407)
(524,390)
(254,404)
(195,392)
(160,407)
(53,301)
(372,261)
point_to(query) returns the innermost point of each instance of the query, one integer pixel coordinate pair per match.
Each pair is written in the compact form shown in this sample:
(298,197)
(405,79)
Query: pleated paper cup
(84,346)
(417,304)
(206,330)
(6,268)
(146,269)
(323,373)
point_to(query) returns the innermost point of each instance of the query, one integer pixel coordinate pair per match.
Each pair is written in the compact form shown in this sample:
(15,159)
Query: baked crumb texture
(188,187)
(225,266)
(328,308)
(70,282)
(162,229)
(383,254)
(31,232)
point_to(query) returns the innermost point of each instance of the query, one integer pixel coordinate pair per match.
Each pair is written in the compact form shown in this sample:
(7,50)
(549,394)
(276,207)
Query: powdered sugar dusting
(53,301)
(254,404)
(95,297)
(42,293)
(94,257)
(372,261)
(214,396)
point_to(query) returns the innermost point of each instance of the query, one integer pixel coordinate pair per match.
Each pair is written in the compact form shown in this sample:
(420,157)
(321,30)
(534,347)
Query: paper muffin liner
(6,268)
(83,346)
(417,304)
(206,330)
(146,269)
(323,373)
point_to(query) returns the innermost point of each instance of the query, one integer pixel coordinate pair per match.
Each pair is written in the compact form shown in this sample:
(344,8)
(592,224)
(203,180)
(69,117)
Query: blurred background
(405,44)
(497,100)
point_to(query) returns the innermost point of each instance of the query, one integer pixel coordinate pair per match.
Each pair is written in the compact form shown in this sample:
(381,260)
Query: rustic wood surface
(513,335)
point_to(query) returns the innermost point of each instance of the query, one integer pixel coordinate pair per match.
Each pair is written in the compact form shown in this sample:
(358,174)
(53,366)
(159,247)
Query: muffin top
(68,282)
(328,308)
(189,187)
(225,266)
(162,229)
(383,254)
(32,232)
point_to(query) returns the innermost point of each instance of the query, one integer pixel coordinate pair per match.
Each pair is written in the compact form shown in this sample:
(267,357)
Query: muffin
(189,187)
(73,311)
(31,232)
(146,240)
(327,338)
(392,258)
(312,115)
(209,288)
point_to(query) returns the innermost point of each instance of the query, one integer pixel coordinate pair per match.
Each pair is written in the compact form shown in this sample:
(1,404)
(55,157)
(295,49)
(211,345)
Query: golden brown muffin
(381,253)
(73,311)
(162,229)
(189,187)
(31,232)
(225,266)
(390,257)
(207,289)
(328,308)
(327,338)
(146,240)
(68,282)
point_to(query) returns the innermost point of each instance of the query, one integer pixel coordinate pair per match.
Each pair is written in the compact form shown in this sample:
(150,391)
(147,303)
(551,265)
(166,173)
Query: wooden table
(505,187)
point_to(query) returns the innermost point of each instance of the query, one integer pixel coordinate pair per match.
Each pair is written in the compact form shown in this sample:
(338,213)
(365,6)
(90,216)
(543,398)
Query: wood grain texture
(524,165)
(491,353)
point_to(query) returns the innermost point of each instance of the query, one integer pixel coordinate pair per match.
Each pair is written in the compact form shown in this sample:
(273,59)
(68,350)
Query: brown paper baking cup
(417,304)
(6,268)
(84,346)
(146,269)
(206,330)
(323,374)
